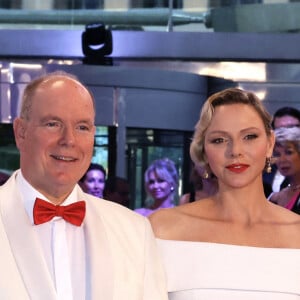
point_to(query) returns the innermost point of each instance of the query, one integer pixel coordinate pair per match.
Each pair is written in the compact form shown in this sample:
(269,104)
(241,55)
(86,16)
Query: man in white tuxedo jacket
(57,242)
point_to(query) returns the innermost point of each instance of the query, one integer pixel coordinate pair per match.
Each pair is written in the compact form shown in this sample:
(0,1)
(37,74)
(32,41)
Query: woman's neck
(163,203)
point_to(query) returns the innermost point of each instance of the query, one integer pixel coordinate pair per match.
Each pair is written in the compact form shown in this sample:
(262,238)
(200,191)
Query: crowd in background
(281,184)
(161,179)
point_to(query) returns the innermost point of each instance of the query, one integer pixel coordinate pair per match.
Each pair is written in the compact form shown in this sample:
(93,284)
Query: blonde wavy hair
(226,97)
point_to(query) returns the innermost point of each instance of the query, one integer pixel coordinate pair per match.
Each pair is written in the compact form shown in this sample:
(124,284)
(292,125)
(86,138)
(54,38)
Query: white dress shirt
(63,245)
(277,181)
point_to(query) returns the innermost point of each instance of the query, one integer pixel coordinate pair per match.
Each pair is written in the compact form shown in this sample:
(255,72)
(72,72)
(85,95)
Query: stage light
(96,43)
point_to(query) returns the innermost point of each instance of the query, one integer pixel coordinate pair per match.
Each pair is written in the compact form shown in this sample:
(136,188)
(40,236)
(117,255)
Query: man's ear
(19,131)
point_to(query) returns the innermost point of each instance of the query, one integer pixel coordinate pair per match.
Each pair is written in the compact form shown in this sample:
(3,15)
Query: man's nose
(68,136)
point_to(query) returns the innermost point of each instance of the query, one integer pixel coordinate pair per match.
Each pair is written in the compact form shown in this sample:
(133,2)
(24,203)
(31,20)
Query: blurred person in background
(203,185)
(117,190)
(287,159)
(161,184)
(284,117)
(3,177)
(93,181)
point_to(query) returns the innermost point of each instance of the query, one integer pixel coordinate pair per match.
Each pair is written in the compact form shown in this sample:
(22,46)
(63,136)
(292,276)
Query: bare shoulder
(163,220)
(286,224)
(293,229)
(172,223)
(291,218)
(284,215)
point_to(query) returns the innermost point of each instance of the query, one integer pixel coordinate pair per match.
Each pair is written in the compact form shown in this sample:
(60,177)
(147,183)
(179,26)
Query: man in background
(286,117)
(117,190)
(3,177)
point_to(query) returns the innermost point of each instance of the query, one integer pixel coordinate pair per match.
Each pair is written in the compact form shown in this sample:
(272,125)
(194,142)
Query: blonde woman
(161,183)
(234,244)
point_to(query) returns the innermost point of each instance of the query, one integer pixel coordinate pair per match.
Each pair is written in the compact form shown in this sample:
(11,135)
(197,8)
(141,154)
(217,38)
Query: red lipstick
(237,168)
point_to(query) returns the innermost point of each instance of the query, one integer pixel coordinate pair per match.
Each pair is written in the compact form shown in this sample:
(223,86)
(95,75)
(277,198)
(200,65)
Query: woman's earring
(172,188)
(268,167)
(205,175)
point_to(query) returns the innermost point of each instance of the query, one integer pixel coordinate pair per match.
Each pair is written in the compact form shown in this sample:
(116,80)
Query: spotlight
(96,43)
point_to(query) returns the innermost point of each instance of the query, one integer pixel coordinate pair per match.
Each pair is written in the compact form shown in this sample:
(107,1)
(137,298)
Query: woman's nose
(97,183)
(235,149)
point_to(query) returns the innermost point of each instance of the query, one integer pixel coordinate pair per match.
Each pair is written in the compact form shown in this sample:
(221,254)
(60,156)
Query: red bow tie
(44,211)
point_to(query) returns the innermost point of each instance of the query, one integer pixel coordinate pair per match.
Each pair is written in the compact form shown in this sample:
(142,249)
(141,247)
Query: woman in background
(287,159)
(93,181)
(234,244)
(161,183)
(203,185)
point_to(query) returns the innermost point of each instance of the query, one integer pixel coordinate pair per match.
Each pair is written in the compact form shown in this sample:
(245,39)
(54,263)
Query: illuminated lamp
(97,44)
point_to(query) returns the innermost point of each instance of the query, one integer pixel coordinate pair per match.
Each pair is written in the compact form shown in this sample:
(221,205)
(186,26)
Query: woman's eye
(160,180)
(251,136)
(289,152)
(218,140)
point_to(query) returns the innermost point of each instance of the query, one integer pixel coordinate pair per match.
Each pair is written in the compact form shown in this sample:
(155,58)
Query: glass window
(146,145)
(154,15)
(100,155)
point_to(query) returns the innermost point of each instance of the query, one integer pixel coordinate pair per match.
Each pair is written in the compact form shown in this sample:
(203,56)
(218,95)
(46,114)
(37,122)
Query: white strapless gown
(210,271)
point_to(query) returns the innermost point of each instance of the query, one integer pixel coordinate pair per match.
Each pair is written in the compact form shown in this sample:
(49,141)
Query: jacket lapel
(24,244)
(100,267)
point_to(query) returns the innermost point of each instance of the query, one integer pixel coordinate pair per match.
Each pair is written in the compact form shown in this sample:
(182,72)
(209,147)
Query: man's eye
(83,127)
(52,124)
